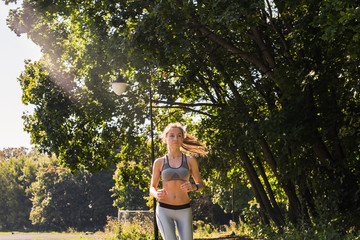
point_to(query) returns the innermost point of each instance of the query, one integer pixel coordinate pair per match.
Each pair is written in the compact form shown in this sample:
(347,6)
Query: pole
(156,230)
(232,201)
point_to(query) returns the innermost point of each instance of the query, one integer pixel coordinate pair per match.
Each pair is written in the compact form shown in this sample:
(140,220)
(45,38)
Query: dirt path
(22,236)
(226,238)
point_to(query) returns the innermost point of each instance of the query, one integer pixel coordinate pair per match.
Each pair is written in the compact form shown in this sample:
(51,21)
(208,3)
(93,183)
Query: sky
(14,51)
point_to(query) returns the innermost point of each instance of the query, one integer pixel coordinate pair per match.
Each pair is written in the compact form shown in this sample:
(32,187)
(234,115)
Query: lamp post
(119,86)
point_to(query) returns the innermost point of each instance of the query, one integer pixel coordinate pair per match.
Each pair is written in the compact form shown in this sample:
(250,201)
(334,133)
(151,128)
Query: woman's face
(174,137)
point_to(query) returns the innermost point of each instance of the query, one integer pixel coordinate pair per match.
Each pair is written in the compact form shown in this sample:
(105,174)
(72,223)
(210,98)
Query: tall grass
(136,229)
(142,229)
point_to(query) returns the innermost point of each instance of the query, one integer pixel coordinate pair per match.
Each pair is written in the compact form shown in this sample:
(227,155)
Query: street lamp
(119,86)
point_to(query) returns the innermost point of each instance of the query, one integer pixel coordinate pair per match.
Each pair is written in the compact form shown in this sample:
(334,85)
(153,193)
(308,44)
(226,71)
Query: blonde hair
(190,143)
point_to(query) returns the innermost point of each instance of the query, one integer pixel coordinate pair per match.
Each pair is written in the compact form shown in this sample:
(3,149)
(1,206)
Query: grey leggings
(167,218)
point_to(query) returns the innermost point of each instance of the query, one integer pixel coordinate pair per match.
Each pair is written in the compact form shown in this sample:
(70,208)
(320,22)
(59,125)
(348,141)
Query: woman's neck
(174,153)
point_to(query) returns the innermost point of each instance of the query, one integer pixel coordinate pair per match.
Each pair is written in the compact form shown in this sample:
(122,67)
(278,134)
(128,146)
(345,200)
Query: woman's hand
(161,193)
(187,187)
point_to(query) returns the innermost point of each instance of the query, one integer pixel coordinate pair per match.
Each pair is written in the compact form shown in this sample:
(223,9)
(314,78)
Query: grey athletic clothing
(170,174)
(168,218)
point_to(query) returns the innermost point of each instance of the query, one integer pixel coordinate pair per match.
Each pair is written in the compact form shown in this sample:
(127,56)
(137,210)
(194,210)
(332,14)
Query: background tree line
(272,87)
(38,194)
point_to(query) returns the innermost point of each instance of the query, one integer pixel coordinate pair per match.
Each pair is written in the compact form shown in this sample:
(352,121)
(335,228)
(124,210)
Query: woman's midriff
(175,196)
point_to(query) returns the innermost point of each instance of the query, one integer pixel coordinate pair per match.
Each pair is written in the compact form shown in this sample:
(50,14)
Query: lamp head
(119,85)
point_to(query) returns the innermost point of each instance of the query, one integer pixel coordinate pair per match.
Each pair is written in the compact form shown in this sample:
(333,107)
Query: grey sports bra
(171,174)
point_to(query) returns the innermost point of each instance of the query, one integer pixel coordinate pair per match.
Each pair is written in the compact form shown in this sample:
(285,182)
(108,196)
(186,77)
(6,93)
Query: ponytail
(190,143)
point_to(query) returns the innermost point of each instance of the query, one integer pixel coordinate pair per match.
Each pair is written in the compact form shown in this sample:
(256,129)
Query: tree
(273,86)
(62,200)
(37,193)
(7,153)
(17,172)
(128,195)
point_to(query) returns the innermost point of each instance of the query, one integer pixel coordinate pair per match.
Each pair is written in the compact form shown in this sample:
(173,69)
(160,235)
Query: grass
(82,235)
(81,238)
(142,229)
(19,232)
(204,230)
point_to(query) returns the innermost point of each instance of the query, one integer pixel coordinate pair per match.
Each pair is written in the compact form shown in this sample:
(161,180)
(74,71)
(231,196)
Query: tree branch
(188,109)
(249,57)
(281,36)
(205,88)
(263,49)
(188,104)
(218,89)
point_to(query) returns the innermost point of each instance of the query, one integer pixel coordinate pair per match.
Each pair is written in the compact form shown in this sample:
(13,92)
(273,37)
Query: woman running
(175,168)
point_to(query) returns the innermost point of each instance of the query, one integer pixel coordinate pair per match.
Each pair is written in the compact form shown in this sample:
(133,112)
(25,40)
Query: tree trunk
(263,215)
(268,187)
(256,183)
(289,188)
(305,193)
(321,150)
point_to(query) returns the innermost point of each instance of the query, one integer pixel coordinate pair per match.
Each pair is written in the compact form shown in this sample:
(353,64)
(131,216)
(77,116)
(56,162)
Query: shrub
(136,229)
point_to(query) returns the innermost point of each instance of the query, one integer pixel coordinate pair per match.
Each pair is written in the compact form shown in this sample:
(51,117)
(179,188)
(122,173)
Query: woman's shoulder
(190,159)
(159,161)
(188,156)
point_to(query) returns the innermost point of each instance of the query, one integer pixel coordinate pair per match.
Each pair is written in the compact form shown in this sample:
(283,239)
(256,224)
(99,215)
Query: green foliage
(62,200)
(204,229)
(16,175)
(270,86)
(320,231)
(136,229)
(37,193)
(127,195)
(142,230)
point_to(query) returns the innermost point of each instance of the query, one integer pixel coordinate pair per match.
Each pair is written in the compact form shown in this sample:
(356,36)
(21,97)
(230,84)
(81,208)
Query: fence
(130,215)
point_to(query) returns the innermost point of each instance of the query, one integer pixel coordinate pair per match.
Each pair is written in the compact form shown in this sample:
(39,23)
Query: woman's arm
(194,170)
(155,178)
